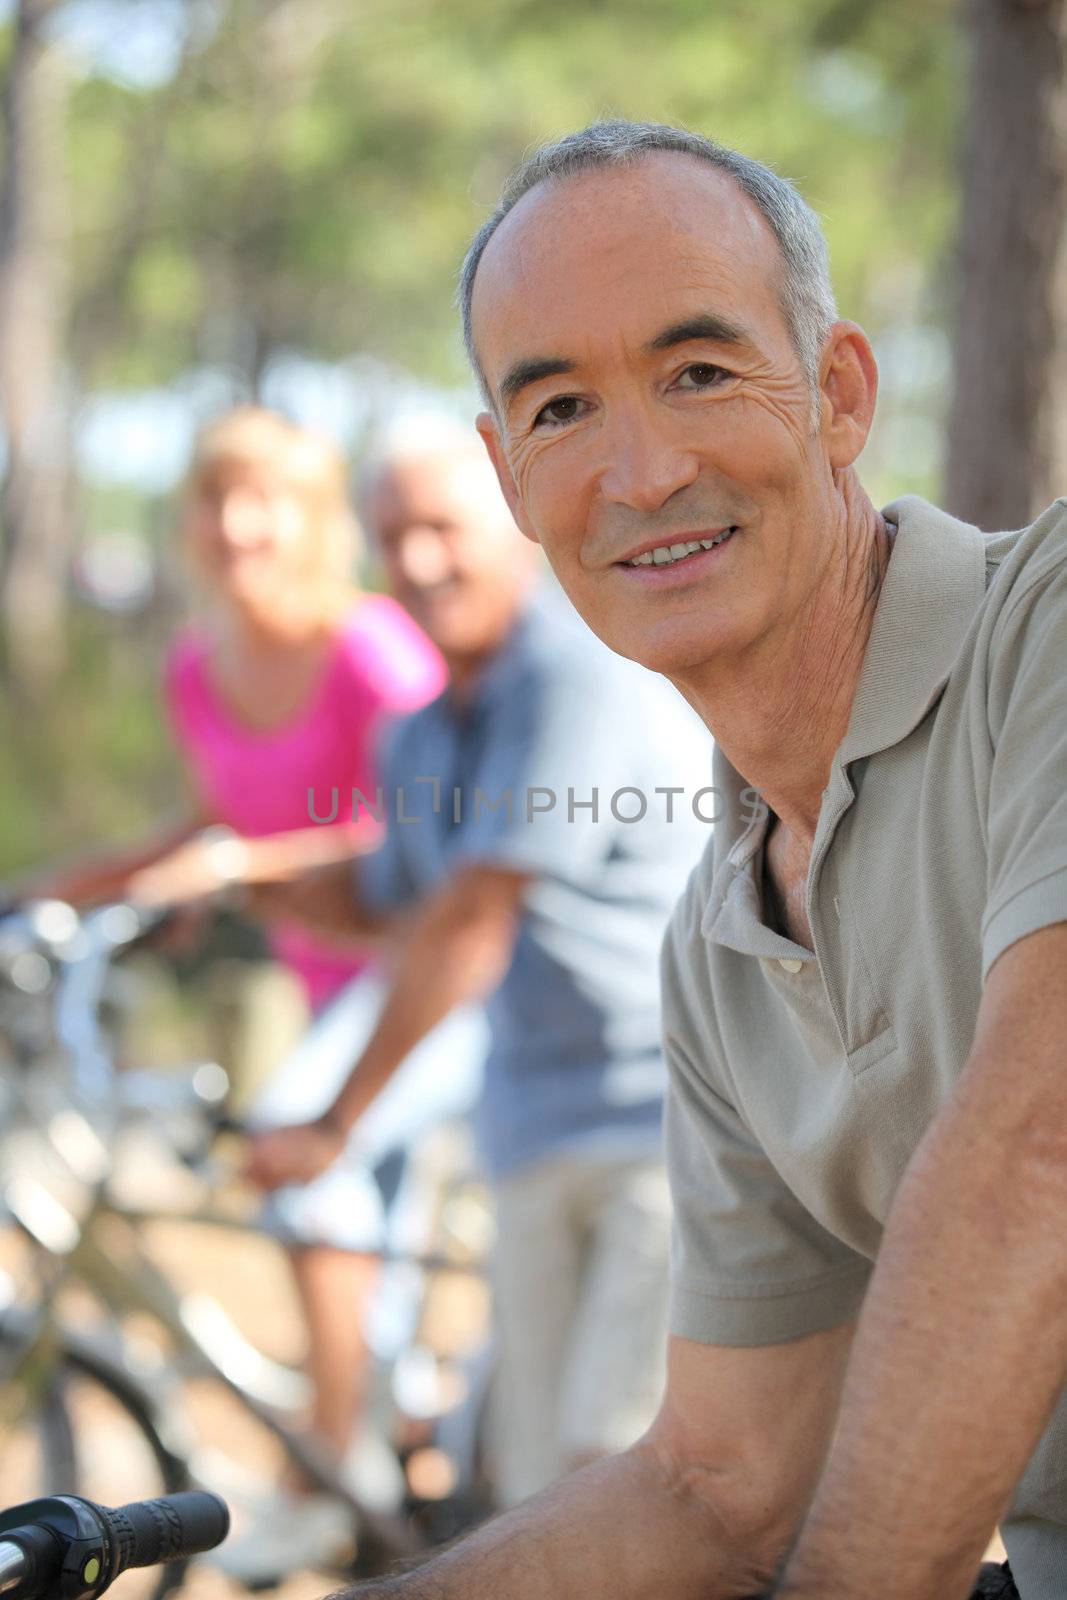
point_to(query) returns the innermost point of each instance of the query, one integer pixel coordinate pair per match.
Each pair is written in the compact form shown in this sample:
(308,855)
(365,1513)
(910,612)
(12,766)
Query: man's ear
(486,425)
(849,389)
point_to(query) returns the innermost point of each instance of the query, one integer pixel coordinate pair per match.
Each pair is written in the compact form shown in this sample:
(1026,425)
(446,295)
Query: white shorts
(580,1303)
(439,1081)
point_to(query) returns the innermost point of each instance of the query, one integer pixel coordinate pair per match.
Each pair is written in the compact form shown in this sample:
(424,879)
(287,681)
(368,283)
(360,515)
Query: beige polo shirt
(801,1083)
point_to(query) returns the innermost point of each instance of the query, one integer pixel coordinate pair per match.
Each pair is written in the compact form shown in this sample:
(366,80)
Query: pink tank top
(258,781)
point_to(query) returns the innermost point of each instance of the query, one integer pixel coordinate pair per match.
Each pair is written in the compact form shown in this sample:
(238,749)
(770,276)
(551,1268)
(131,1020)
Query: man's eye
(556,412)
(701,375)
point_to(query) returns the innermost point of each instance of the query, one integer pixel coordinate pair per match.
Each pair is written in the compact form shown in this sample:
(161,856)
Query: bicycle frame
(94,1240)
(105,1255)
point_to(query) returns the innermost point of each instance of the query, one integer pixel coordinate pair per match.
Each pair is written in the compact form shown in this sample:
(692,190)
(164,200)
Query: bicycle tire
(84,1388)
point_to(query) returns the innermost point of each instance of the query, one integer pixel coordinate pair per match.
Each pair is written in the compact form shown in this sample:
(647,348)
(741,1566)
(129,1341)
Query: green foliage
(97,766)
(314,180)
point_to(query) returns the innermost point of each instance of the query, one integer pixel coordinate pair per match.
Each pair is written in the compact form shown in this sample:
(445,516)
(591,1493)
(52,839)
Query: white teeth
(663,554)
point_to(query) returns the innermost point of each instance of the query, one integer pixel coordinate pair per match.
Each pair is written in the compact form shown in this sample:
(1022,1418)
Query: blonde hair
(306,462)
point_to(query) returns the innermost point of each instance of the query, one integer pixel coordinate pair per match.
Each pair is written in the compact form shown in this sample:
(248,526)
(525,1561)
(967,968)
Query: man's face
(648,396)
(451,551)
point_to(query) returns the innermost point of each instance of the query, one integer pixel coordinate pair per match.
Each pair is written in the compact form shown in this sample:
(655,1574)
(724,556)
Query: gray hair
(807,296)
(413,436)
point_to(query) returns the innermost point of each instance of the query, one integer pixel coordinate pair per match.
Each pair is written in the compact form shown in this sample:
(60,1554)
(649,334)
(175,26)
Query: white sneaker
(373,1474)
(295,1533)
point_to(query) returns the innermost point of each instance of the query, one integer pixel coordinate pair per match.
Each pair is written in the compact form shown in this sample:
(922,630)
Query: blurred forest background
(208,200)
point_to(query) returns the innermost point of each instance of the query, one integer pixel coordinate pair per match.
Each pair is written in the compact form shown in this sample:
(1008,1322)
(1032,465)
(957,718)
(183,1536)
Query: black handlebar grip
(167,1529)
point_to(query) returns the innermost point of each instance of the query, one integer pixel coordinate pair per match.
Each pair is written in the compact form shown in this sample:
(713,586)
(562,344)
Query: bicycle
(65,1103)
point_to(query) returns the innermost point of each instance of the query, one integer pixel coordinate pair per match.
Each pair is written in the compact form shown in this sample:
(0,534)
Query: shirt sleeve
(1027,816)
(750,1265)
(384,878)
(552,759)
(399,669)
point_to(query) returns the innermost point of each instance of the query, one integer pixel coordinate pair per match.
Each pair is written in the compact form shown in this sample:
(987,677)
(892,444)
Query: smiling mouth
(669,555)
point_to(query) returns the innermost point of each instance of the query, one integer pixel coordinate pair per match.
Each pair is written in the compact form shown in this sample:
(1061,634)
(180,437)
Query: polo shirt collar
(933,588)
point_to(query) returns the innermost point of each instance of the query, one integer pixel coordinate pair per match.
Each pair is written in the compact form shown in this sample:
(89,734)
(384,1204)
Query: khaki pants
(580,1287)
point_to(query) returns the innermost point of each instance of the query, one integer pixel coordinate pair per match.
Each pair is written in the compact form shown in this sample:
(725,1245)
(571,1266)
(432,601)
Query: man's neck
(466,668)
(780,715)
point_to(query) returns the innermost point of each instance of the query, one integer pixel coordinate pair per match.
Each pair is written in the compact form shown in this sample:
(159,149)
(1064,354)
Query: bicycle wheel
(84,1425)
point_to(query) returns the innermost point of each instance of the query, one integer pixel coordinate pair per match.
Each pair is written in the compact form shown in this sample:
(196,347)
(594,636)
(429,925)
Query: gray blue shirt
(559,765)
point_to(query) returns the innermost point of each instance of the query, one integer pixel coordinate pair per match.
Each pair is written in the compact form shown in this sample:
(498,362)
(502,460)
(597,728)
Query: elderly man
(543,815)
(866,981)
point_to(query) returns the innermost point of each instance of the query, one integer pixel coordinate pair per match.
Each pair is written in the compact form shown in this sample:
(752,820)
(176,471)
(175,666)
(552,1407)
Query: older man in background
(865,998)
(541,824)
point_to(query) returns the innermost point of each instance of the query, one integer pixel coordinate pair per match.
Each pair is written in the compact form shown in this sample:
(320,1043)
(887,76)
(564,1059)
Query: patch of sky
(138,43)
(914,360)
(846,86)
(142,438)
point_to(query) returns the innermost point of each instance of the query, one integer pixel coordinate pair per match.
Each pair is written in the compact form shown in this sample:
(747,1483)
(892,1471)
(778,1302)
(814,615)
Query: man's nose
(645,462)
(421,557)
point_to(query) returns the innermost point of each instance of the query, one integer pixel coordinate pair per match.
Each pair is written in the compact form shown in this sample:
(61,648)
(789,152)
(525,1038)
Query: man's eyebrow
(532,370)
(705,326)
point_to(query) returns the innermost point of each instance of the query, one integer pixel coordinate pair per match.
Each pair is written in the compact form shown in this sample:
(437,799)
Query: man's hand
(961,1351)
(296,1154)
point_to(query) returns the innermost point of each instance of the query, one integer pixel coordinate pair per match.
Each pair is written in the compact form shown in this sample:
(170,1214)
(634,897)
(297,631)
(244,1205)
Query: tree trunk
(1002,444)
(33,404)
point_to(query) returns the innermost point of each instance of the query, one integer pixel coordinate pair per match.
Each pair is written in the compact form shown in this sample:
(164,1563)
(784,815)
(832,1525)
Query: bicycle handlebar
(72,1548)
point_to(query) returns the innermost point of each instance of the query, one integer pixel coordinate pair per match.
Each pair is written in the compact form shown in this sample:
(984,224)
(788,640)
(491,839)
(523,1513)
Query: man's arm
(962,1345)
(457,948)
(702,1508)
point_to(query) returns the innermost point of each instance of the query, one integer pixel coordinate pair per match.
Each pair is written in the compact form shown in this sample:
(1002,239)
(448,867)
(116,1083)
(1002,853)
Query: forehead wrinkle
(735,278)
(739,254)
(705,193)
